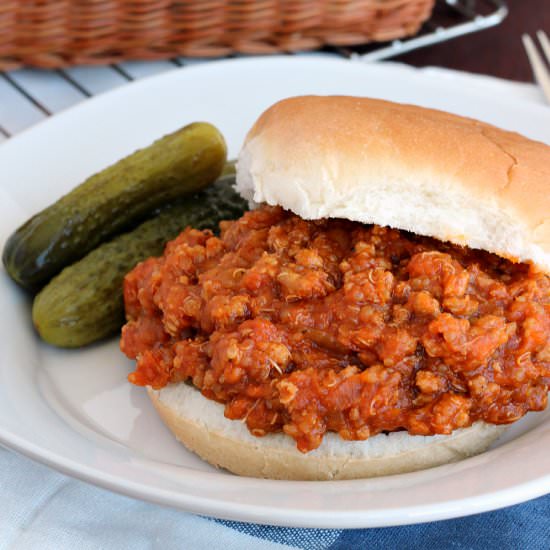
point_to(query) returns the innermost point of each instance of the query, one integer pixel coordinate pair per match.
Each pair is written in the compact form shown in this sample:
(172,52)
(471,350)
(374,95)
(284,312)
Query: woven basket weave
(57,33)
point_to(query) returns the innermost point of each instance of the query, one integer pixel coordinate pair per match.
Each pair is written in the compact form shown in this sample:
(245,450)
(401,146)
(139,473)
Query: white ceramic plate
(74,410)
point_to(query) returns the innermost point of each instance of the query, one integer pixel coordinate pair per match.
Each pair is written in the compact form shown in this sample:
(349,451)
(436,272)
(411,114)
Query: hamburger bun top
(402,166)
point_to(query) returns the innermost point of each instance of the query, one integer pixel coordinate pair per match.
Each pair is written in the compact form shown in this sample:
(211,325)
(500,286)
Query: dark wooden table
(497,51)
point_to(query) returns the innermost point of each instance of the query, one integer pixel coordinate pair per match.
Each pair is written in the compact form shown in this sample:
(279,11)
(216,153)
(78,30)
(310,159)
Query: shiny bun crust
(403,166)
(200,425)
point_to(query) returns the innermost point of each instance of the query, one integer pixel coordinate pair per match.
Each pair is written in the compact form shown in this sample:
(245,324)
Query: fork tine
(545,44)
(541,73)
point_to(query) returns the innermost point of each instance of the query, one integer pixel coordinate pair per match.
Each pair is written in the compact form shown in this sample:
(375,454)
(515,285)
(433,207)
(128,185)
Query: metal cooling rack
(450,19)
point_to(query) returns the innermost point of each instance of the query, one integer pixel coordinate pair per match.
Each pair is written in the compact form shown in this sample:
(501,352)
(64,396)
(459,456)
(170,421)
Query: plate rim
(385,66)
(332,519)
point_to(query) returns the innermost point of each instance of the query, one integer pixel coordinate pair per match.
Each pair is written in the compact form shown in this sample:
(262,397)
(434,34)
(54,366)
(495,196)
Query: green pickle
(113,200)
(84,302)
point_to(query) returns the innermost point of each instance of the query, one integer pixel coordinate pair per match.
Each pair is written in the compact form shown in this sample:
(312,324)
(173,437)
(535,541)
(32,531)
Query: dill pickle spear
(112,201)
(84,302)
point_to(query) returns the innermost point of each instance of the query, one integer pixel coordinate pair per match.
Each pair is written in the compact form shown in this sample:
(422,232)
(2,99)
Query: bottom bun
(200,425)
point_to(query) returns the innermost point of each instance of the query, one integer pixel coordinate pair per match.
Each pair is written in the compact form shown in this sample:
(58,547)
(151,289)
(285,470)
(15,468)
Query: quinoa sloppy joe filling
(331,325)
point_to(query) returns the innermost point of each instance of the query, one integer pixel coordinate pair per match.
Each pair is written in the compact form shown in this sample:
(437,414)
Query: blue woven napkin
(41,509)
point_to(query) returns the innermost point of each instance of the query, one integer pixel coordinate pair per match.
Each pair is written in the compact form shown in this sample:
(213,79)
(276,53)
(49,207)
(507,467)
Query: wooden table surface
(497,51)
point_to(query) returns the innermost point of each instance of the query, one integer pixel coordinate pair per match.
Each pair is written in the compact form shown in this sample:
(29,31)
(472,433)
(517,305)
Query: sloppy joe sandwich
(383,308)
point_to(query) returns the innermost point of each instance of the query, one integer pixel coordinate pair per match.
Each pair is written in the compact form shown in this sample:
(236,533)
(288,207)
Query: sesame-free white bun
(403,166)
(200,425)
(371,161)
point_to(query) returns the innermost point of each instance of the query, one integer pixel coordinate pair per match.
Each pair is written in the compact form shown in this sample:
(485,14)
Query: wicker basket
(57,33)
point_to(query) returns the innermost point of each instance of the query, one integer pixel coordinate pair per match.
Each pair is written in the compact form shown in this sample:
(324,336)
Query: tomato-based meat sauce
(332,325)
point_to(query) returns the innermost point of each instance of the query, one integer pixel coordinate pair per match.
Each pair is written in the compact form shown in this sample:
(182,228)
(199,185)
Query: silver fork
(540,69)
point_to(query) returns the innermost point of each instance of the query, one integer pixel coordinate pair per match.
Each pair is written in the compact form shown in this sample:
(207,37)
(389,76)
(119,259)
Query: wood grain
(497,51)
